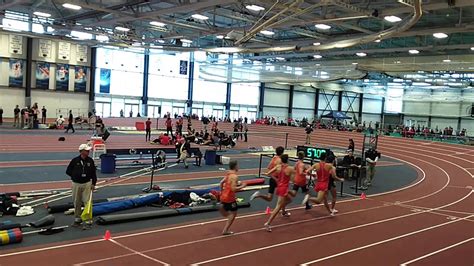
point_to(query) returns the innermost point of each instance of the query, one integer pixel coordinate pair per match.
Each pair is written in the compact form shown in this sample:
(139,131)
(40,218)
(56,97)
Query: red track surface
(430,222)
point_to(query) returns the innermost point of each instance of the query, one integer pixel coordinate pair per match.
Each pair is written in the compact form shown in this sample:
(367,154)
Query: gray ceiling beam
(167,11)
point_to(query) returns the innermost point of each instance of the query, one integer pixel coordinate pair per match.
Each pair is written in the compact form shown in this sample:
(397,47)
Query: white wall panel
(415,120)
(346,102)
(54,100)
(370,118)
(303,100)
(468,123)
(372,105)
(300,114)
(445,109)
(441,123)
(9,98)
(276,97)
(323,104)
(278,113)
(419,108)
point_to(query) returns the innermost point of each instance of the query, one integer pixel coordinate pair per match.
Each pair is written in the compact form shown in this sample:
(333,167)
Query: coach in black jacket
(82,171)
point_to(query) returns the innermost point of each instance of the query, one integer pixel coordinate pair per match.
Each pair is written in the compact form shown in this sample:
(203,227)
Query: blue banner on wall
(183,67)
(42,75)
(15,78)
(105,80)
(80,78)
(62,77)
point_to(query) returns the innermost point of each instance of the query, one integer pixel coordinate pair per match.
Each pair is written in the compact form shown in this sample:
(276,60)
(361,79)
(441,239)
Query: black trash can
(210,157)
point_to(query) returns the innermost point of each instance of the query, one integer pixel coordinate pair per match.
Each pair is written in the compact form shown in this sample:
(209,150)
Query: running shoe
(86,226)
(308,206)
(285,214)
(334,211)
(305,200)
(254,195)
(268,227)
(76,224)
(228,233)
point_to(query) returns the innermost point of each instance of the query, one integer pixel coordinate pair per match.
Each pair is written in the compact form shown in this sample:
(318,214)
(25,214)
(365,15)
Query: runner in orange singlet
(272,181)
(285,175)
(230,185)
(324,171)
(300,177)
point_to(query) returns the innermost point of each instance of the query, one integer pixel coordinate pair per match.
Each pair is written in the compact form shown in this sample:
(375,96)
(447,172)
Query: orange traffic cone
(363,196)
(107,235)
(268,210)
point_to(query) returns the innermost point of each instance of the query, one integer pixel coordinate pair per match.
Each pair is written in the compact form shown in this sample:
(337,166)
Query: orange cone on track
(107,235)
(363,196)
(268,210)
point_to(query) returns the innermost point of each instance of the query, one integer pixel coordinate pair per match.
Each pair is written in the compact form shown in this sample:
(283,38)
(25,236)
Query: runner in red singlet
(324,171)
(285,175)
(300,177)
(230,185)
(273,180)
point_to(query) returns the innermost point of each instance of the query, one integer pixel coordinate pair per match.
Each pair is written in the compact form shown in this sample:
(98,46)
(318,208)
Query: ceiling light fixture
(392,19)
(414,51)
(267,32)
(354,63)
(200,17)
(378,40)
(186,41)
(158,24)
(316,43)
(322,26)
(317,56)
(122,29)
(102,38)
(440,35)
(255,8)
(280,58)
(42,14)
(447,60)
(361,54)
(472,48)
(71,6)
(220,37)
(161,41)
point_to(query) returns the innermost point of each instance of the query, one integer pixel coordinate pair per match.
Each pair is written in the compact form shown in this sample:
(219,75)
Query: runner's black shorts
(331,183)
(273,184)
(304,189)
(230,207)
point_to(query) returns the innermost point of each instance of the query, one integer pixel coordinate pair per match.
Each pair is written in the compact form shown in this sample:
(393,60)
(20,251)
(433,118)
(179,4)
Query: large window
(394,100)
(245,93)
(207,91)
(168,75)
(126,76)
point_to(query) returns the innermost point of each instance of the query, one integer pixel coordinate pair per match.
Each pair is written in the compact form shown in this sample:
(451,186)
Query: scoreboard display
(312,152)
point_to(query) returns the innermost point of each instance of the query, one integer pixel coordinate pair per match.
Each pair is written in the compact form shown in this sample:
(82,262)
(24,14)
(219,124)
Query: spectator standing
(1,115)
(169,128)
(43,115)
(70,120)
(16,120)
(148,130)
(308,131)
(246,129)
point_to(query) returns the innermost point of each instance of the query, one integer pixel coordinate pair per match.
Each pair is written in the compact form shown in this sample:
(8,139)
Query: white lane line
(330,233)
(210,222)
(239,233)
(134,252)
(437,251)
(384,241)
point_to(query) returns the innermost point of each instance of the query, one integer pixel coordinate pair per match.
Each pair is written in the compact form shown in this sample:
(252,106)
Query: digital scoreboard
(312,152)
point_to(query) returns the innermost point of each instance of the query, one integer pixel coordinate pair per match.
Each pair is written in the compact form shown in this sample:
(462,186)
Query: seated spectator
(60,121)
